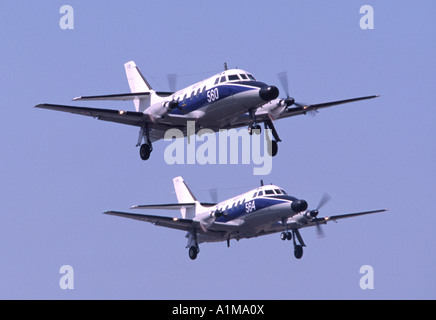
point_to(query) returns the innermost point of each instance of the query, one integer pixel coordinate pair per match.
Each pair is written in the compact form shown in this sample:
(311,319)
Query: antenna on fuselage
(261,182)
(225,66)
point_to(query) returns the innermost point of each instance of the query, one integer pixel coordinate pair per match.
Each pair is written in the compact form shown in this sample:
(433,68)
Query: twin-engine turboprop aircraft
(265,210)
(230,99)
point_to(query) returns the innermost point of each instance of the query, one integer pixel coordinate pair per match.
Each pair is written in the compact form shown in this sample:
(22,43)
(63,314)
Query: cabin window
(198,92)
(204,90)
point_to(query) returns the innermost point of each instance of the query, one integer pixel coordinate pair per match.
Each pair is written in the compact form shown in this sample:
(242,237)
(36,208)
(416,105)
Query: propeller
(314,213)
(172,79)
(288,101)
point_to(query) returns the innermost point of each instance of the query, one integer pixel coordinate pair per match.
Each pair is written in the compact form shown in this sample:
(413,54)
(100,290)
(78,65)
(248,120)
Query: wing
(172,206)
(262,115)
(133,118)
(168,222)
(120,97)
(119,116)
(324,220)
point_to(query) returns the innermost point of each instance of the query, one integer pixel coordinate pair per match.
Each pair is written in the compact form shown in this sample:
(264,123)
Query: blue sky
(59,172)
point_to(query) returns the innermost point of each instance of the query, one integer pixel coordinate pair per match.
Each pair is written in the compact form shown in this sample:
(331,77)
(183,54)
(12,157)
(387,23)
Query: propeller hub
(289,101)
(314,213)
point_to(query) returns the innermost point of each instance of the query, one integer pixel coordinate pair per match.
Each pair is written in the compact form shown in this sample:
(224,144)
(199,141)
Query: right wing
(168,222)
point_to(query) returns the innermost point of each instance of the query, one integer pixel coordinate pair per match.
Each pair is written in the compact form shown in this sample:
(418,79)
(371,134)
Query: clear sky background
(60,172)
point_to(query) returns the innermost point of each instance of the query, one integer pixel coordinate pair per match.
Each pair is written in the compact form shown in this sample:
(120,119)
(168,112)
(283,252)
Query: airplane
(230,99)
(261,211)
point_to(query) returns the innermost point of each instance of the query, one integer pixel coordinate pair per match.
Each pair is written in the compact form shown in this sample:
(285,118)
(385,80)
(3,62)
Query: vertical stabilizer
(138,83)
(184,195)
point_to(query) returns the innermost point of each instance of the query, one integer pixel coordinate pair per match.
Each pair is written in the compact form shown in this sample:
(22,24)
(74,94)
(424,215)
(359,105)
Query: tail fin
(185,195)
(138,83)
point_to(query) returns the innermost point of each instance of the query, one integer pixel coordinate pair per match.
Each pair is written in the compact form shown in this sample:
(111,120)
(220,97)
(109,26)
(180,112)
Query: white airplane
(265,210)
(230,99)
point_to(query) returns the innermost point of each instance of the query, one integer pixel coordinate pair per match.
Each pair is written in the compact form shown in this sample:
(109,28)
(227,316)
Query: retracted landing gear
(146,148)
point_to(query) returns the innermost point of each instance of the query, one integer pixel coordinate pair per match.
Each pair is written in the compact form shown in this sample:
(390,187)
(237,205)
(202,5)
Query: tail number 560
(212,95)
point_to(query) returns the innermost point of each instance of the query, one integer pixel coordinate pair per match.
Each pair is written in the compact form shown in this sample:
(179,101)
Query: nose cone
(299,206)
(268,93)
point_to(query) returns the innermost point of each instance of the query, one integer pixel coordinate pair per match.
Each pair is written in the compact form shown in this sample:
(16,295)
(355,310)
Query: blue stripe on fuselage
(247,208)
(225,90)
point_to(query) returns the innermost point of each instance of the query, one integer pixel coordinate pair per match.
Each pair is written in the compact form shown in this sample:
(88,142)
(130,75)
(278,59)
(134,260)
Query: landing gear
(274,143)
(286,236)
(298,248)
(146,148)
(145,151)
(194,249)
(253,128)
(294,235)
(193,252)
(298,251)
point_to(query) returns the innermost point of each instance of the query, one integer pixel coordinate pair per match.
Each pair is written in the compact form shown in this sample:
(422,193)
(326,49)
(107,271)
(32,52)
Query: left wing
(263,115)
(348,215)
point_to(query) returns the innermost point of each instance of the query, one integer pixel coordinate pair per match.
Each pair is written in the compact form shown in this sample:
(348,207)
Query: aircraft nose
(269,93)
(299,206)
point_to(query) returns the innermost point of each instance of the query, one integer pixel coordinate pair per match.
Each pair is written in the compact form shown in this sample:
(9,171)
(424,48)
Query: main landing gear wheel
(145,151)
(298,251)
(193,252)
(274,148)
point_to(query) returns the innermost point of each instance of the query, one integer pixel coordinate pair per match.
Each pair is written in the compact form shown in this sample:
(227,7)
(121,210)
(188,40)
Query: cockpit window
(269,192)
(243,76)
(223,79)
(260,193)
(251,77)
(283,191)
(216,80)
(254,195)
(277,191)
(233,77)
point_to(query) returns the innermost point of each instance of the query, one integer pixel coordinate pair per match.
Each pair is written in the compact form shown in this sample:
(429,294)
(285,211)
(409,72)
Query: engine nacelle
(161,109)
